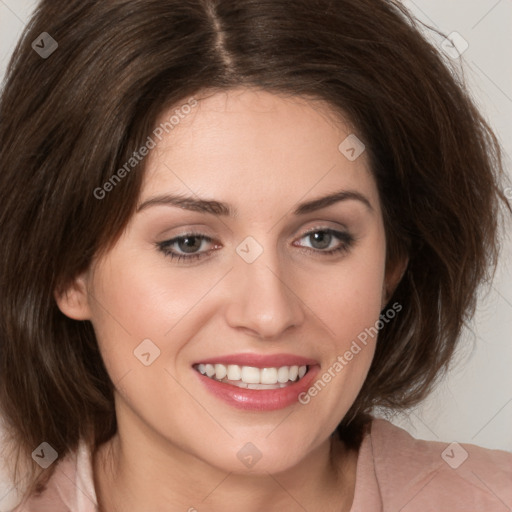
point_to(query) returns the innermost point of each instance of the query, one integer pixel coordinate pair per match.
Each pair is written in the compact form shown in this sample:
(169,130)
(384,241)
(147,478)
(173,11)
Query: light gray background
(473,404)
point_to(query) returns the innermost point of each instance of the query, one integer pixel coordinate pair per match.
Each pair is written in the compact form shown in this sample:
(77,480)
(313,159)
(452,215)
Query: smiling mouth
(250,377)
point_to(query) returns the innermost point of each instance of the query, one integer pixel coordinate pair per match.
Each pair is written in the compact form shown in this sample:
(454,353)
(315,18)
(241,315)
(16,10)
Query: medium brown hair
(70,121)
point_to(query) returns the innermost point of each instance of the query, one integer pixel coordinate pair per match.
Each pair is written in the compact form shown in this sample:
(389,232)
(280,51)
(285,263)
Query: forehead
(253,147)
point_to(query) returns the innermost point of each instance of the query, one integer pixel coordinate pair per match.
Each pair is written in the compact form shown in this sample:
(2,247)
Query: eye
(185,247)
(328,241)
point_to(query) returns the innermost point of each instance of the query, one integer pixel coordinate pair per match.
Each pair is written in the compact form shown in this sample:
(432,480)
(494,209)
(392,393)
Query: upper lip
(259,360)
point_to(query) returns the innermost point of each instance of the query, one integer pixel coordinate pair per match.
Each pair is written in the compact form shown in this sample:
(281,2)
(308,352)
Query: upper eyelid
(319,227)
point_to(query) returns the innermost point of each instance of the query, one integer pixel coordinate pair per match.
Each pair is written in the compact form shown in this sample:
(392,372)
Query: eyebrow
(218,208)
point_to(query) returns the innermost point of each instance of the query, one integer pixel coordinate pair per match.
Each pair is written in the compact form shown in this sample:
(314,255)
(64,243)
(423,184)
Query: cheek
(358,297)
(135,299)
(348,296)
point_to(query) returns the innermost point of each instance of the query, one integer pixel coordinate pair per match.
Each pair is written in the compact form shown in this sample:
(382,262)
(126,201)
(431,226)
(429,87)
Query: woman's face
(274,282)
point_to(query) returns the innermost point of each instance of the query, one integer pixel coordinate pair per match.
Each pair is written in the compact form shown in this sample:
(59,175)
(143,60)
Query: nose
(262,301)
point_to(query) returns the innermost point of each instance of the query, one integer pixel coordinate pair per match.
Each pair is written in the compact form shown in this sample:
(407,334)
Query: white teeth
(268,375)
(234,372)
(220,371)
(252,377)
(282,374)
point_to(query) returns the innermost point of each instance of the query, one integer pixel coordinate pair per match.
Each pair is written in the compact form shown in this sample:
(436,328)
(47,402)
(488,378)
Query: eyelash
(346,239)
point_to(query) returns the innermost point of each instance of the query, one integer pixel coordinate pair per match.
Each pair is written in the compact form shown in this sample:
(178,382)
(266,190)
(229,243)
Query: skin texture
(176,443)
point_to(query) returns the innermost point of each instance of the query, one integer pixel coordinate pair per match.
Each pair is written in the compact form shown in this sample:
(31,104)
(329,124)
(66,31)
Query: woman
(231,230)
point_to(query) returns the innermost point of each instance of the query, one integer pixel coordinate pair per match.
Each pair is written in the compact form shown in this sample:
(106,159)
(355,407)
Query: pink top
(395,472)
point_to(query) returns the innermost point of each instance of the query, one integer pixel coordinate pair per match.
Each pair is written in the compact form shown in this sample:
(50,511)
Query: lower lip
(263,399)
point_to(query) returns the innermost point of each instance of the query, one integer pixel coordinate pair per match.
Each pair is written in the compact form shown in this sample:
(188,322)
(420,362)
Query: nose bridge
(262,300)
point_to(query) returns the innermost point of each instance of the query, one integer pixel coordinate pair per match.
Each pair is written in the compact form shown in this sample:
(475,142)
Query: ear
(394,273)
(73,299)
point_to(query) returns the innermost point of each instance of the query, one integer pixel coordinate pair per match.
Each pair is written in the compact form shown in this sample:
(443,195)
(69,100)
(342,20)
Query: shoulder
(70,488)
(418,475)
